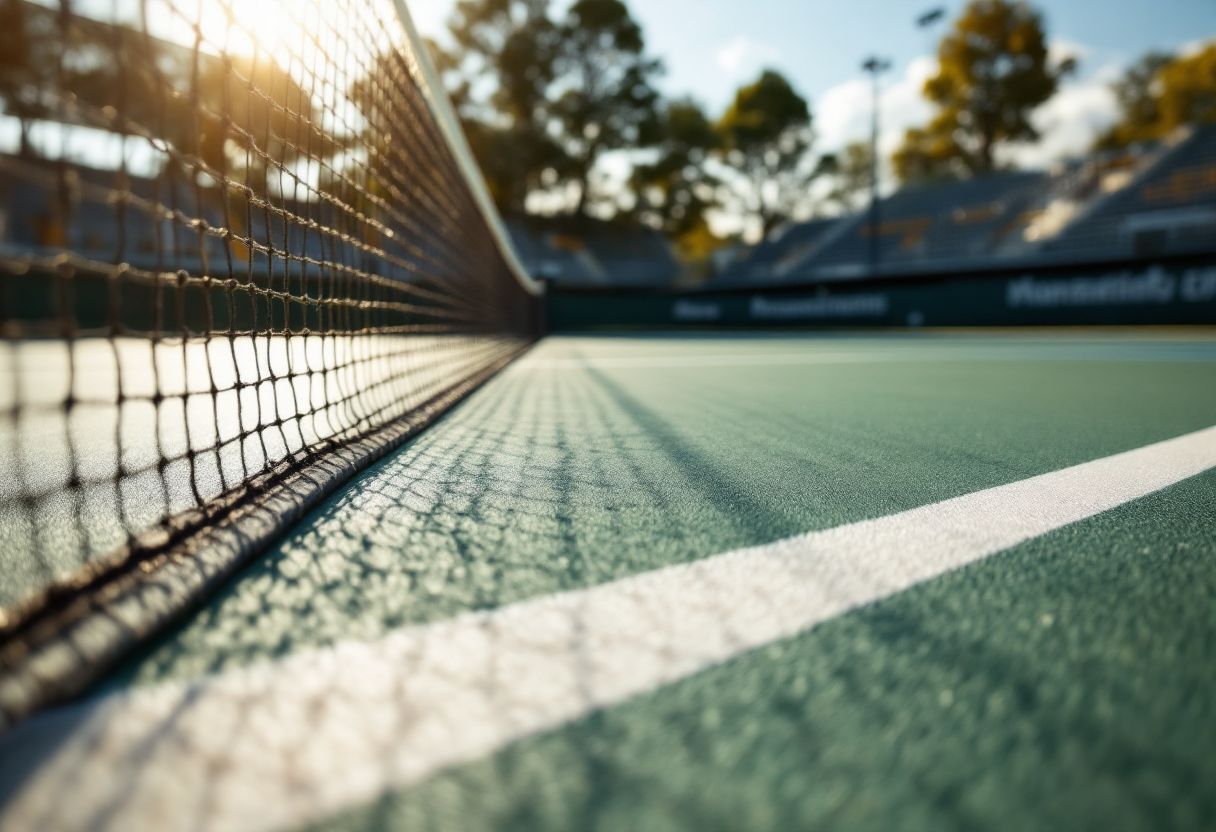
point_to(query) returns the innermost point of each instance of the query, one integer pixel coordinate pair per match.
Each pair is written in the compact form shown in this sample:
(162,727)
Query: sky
(710,47)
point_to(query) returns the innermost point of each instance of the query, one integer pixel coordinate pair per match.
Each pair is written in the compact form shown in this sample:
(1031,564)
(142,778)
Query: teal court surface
(645,582)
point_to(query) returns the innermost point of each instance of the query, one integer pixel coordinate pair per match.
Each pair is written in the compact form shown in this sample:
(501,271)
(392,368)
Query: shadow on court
(953,705)
(526,490)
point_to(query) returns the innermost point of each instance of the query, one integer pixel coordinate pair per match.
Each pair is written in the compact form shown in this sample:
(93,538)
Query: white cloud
(843,113)
(1068,123)
(1194,47)
(1059,50)
(743,56)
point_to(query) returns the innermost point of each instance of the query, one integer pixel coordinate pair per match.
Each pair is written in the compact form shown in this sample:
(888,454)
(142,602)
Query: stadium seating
(957,221)
(1146,202)
(576,252)
(1169,207)
(774,256)
(1150,201)
(41,220)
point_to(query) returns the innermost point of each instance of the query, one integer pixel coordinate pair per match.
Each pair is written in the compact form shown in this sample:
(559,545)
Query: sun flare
(289,31)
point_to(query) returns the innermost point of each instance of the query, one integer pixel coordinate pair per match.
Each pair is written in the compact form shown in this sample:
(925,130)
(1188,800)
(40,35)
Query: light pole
(928,22)
(875,66)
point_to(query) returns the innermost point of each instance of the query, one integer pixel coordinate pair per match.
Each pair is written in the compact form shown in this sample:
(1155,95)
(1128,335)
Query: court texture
(927,581)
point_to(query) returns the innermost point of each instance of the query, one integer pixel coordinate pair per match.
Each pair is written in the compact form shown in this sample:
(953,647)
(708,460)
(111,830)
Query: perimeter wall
(1179,291)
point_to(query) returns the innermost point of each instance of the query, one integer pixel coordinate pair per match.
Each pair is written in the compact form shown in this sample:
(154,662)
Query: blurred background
(697,147)
(770,144)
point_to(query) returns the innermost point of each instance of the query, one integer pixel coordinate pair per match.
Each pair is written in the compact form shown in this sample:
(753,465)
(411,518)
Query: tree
(561,93)
(993,72)
(1140,114)
(766,142)
(148,85)
(676,190)
(606,100)
(1188,90)
(509,47)
(850,176)
(1161,92)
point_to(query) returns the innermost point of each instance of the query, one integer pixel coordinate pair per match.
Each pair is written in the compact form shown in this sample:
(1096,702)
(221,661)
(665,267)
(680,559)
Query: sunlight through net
(235,236)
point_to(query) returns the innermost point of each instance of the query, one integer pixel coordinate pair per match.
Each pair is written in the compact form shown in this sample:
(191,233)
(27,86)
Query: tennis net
(240,241)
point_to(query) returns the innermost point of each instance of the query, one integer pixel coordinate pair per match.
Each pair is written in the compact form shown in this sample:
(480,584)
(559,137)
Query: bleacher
(775,256)
(1153,201)
(1168,208)
(1150,201)
(41,220)
(36,219)
(940,224)
(577,252)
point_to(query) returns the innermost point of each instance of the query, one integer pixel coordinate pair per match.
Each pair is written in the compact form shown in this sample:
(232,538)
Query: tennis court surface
(304,525)
(921,581)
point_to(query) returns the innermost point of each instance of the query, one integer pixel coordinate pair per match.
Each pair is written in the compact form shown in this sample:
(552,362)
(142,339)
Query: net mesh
(234,237)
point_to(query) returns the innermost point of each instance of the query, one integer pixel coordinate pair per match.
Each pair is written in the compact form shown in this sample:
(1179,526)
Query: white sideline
(279,745)
(922,355)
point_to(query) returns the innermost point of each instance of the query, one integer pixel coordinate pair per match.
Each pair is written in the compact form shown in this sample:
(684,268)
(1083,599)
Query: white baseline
(282,744)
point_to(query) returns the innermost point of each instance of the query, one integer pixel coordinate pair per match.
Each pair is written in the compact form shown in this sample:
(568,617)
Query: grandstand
(293,236)
(577,252)
(786,248)
(37,224)
(952,222)
(1150,202)
(1168,208)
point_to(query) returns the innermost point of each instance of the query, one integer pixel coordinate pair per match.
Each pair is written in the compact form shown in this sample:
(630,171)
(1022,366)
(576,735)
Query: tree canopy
(29,58)
(766,140)
(542,100)
(1161,92)
(993,72)
(106,71)
(675,191)
(509,47)
(607,100)
(850,175)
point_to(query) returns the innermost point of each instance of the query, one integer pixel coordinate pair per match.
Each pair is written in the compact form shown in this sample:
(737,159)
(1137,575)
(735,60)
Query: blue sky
(711,46)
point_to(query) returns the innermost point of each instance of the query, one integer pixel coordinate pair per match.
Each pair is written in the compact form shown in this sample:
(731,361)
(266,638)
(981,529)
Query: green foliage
(993,73)
(766,141)
(1161,92)
(762,113)
(676,190)
(850,172)
(561,93)
(696,245)
(1188,89)
(607,100)
(511,48)
(542,101)
(30,48)
(1137,103)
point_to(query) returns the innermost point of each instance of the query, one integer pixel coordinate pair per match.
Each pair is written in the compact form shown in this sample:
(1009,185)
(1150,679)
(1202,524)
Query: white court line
(877,357)
(530,363)
(279,745)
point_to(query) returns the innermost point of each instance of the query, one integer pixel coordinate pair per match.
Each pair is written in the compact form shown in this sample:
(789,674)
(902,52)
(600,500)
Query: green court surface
(1066,683)
(592,459)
